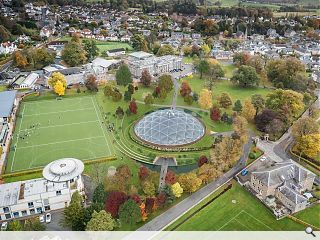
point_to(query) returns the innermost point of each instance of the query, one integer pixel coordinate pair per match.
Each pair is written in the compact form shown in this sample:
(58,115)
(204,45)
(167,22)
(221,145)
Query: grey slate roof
(6,102)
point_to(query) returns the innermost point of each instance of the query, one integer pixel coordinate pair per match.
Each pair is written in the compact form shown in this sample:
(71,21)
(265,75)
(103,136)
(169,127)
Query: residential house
(7,47)
(116,52)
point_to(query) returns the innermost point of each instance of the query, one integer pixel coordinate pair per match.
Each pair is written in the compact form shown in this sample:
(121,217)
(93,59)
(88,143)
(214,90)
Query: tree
(246,76)
(166,82)
(225,100)
(131,89)
(264,118)
(139,43)
(202,160)
(170,178)
(207,173)
(15,225)
(143,173)
(116,95)
(249,111)
(237,106)
(74,213)
(288,103)
(99,194)
(287,73)
(215,114)
(55,77)
(88,211)
(185,88)
(59,88)
(258,102)
(133,107)
(206,50)
(145,78)
(161,199)
(240,128)
(215,71)
(188,99)
(33,224)
(187,50)
(119,112)
(123,75)
(241,58)
(205,99)
(92,51)
(257,63)
(151,204)
(114,201)
(305,126)
(130,212)
(108,90)
(177,190)
(148,100)
(275,127)
(127,96)
(19,59)
(309,145)
(148,188)
(189,182)
(74,54)
(91,83)
(166,49)
(101,221)
(41,57)
(203,67)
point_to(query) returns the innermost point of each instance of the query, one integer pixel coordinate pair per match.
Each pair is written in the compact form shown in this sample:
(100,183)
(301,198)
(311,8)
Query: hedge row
(305,160)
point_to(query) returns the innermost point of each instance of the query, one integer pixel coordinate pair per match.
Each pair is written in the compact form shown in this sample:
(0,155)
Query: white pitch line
(258,220)
(38,114)
(74,140)
(52,100)
(60,125)
(105,138)
(230,220)
(14,153)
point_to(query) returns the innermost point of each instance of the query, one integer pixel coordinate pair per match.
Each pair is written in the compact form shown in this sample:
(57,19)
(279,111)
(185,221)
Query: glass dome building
(169,128)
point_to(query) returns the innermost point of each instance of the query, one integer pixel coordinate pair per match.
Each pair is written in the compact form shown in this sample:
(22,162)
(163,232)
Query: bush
(252,155)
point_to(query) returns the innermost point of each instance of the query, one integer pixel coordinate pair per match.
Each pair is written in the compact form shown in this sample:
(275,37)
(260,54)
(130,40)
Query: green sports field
(47,130)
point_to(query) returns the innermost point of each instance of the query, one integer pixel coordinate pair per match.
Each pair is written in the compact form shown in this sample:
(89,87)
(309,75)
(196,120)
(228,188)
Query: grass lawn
(247,214)
(228,69)
(3,88)
(47,130)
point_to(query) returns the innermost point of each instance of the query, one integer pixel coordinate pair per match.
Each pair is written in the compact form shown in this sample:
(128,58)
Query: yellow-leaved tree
(248,111)
(55,77)
(309,145)
(205,49)
(205,99)
(190,182)
(177,190)
(59,88)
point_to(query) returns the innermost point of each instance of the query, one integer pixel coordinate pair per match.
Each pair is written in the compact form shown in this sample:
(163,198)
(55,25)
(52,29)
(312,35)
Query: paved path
(165,219)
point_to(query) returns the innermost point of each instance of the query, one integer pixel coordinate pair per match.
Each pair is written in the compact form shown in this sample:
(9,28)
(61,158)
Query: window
(47,208)
(58,193)
(24,213)
(32,211)
(16,214)
(39,210)
(72,180)
(5,209)
(8,216)
(30,204)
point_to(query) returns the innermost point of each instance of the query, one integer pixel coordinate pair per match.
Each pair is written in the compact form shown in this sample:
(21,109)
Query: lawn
(228,69)
(238,210)
(3,88)
(47,130)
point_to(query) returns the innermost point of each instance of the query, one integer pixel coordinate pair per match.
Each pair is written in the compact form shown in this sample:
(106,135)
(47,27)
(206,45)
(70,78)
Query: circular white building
(63,170)
(169,128)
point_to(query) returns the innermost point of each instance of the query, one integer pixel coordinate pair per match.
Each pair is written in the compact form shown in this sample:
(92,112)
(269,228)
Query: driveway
(54,225)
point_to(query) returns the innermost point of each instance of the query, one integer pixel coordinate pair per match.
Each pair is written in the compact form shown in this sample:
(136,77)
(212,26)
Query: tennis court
(47,130)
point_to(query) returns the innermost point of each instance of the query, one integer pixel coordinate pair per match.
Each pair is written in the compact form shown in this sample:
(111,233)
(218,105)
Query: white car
(48,217)
(42,218)
(4,226)
(262,159)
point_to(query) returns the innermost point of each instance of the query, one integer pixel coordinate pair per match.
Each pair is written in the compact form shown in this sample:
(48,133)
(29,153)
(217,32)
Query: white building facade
(61,179)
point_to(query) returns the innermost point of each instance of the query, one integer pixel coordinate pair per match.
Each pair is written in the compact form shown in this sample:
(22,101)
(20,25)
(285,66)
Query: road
(165,219)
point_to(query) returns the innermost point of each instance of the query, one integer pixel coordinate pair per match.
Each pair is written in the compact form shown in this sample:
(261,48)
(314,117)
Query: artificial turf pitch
(52,129)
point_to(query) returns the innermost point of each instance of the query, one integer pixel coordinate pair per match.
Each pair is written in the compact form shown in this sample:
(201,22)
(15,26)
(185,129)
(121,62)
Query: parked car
(4,226)
(262,159)
(48,217)
(42,218)
(244,172)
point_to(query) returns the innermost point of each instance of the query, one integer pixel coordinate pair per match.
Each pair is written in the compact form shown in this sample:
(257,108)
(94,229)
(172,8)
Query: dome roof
(63,170)
(169,128)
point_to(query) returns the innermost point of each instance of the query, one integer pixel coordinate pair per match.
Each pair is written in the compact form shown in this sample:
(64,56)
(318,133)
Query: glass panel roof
(169,127)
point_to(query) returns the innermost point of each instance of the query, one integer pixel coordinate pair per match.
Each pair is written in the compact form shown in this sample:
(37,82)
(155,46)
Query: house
(61,178)
(100,67)
(286,181)
(7,103)
(139,61)
(45,32)
(26,82)
(116,52)
(7,47)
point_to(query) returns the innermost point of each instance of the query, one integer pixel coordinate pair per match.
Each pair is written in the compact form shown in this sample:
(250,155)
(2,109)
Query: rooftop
(6,102)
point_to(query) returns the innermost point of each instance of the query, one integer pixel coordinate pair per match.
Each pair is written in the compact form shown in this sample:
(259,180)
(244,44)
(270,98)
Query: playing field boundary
(38,170)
